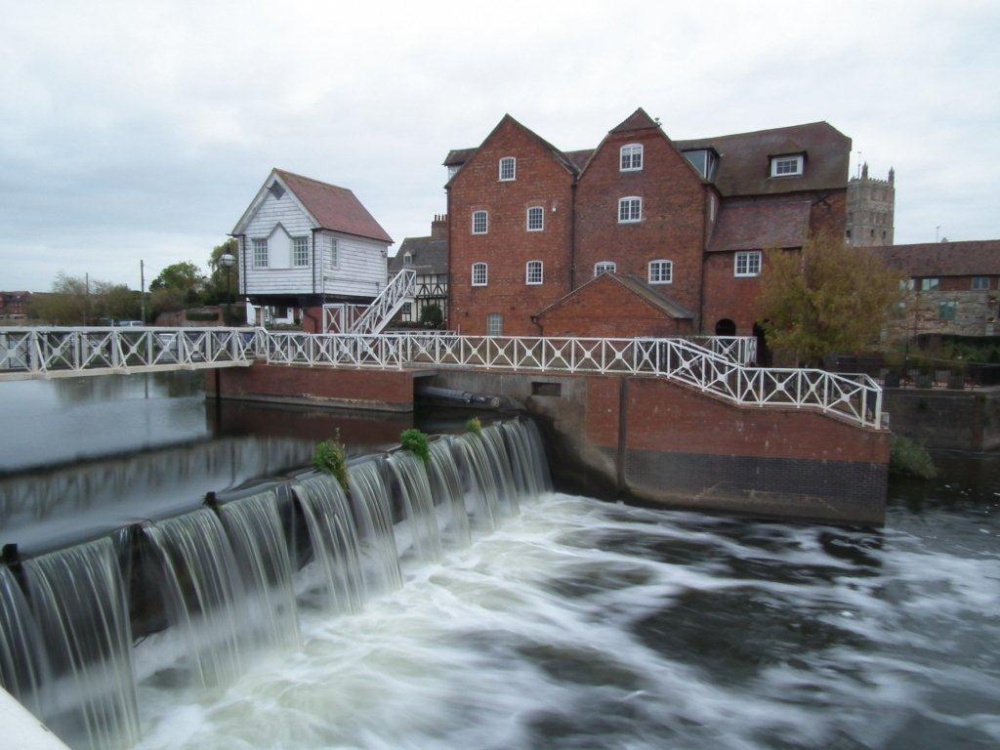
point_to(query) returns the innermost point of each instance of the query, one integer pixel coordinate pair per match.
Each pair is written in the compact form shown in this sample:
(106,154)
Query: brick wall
(673,215)
(386,390)
(507,246)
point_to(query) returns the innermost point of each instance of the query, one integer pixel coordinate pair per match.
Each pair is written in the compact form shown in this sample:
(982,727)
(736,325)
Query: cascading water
(219,587)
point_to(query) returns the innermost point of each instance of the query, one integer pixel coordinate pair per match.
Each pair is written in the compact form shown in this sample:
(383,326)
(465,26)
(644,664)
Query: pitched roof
(638,120)
(331,207)
(334,208)
(976,258)
(653,297)
(761,226)
(744,159)
(430,255)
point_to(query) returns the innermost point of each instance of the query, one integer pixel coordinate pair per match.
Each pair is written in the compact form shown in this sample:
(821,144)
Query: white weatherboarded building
(305,243)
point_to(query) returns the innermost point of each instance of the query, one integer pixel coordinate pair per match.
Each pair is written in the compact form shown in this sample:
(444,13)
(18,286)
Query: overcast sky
(141,130)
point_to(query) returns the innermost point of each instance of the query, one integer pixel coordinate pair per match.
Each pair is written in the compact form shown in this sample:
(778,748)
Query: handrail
(716,370)
(64,352)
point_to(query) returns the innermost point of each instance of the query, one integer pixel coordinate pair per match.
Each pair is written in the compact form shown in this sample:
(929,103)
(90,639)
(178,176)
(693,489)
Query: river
(579,623)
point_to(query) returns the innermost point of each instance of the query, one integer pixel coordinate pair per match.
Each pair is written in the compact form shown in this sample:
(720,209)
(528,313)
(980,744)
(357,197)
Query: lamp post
(227,260)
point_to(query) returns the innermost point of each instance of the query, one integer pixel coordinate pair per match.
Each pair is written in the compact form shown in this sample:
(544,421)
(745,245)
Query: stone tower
(870,208)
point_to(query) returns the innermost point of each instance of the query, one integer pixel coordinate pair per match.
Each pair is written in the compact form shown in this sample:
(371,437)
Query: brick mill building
(641,236)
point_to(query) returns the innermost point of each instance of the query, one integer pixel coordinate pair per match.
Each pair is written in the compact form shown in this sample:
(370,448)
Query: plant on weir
(416,442)
(909,458)
(330,456)
(474,426)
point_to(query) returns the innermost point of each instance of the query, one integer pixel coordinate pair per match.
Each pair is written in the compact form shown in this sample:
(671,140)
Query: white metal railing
(339,318)
(716,370)
(398,291)
(65,352)
(740,349)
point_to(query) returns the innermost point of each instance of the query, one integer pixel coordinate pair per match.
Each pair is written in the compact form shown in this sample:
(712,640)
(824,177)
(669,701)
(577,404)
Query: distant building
(14,305)
(305,243)
(951,287)
(871,207)
(428,257)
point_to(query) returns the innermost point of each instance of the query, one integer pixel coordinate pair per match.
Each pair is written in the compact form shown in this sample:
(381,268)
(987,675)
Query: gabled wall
(541,180)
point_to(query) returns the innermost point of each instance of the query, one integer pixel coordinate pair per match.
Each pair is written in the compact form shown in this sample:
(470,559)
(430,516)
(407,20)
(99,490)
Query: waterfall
(78,607)
(375,529)
(204,595)
(334,538)
(218,586)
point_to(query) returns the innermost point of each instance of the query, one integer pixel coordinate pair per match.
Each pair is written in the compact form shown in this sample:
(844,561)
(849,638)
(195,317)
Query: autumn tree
(830,298)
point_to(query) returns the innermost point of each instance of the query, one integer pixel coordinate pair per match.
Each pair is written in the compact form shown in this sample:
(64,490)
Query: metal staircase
(375,317)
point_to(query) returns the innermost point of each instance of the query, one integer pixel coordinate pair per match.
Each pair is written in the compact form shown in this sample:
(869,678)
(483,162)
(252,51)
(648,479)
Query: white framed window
(480,222)
(300,251)
(479,274)
(947,310)
(259,252)
(508,169)
(930,284)
(408,259)
(533,272)
(980,283)
(747,263)
(604,266)
(787,166)
(661,272)
(334,253)
(536,219)
(494,324)
(631,157)
(629,210)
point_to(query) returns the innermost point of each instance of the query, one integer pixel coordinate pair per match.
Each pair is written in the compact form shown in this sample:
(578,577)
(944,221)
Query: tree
(223,283)
(827,299)
(178,286)
(431,316)
(76,301)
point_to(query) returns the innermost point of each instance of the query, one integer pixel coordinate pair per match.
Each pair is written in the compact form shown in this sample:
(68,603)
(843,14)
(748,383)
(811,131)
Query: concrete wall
(955,420)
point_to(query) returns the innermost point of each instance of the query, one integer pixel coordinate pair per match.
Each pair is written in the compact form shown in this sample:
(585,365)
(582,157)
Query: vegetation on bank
(908,458)
(415,442)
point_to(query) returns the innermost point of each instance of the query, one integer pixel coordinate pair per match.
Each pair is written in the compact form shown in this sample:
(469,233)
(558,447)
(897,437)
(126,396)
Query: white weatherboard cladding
(361,265)
(278,221)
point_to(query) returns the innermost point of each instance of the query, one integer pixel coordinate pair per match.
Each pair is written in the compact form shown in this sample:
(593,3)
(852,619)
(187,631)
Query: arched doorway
(725,327)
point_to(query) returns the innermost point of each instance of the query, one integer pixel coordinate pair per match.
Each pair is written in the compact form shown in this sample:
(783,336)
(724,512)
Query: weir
(189,602)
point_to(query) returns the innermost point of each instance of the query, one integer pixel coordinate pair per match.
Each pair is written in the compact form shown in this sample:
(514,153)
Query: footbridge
(717,366)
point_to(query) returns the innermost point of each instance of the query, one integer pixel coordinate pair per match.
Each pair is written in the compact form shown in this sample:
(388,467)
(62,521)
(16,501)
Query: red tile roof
(761,226)
(334,208)
(976,258)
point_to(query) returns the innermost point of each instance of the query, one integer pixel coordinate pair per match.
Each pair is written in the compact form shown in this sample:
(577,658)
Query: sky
(141,130)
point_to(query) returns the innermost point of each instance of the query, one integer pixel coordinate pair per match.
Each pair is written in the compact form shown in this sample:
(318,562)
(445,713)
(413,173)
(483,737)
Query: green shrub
(910,459)
(474,426)
(330,457)
(416,442)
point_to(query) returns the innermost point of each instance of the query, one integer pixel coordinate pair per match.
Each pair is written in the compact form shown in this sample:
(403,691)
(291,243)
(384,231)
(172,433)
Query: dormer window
(631,157)
(703,160)
(508,169)
(408,259)
(787,166)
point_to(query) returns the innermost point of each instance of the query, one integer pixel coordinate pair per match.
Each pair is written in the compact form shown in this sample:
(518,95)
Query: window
(536,219)
(631,157)
(259,253)
(300,251)
(480,222)
(604,266)
(906,285)
(703,160)
(494,325)
(929,285)
(533,272)
(786,166)
(629,210)
(334,254)
(747,263)
(508,169)
(980,283)
(479,274)
(661,272)
(947,310)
